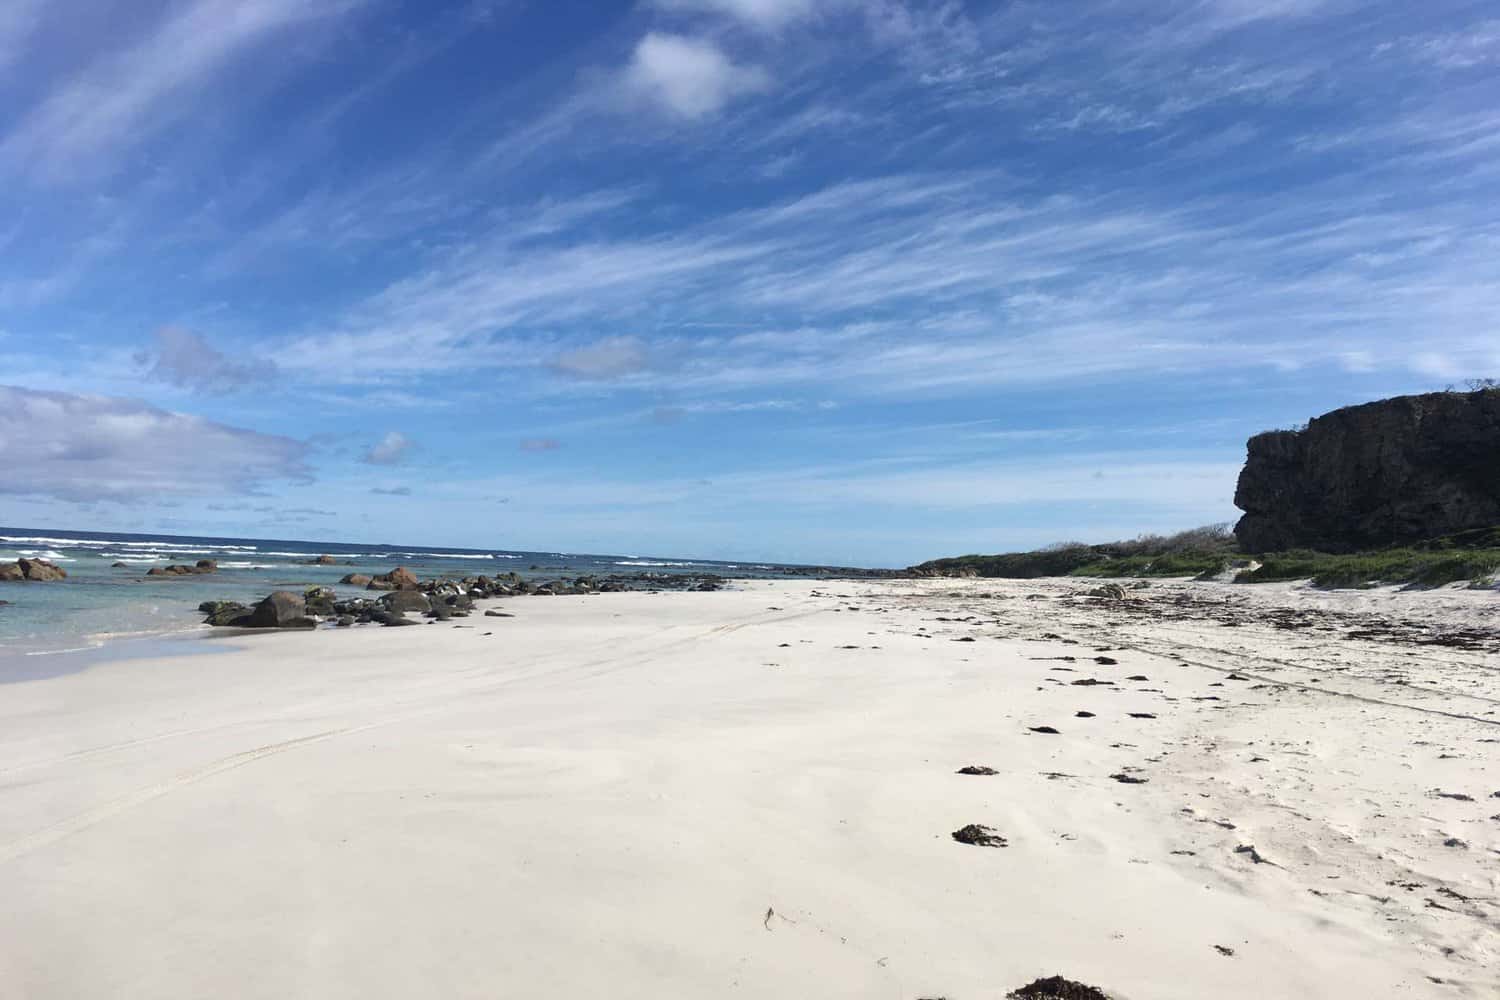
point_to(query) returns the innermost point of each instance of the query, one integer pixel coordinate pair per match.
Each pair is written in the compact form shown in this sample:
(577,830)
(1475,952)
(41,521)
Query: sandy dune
(751,793)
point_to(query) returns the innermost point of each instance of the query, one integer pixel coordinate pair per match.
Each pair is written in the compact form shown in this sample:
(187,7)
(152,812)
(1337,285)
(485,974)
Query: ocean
(100,601)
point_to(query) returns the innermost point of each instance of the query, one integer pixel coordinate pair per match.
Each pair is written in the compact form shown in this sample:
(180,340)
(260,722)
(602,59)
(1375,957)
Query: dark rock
(1397,470)
(977,769)
(979,836)
(320,601)
(323,561)
(402,601)
(1046,730)
(345,621)
(11,572)
(498,614)
(225,613)
(391,618)
(1083,715)
(1129,779)
(118,565)
(200,568)
(356,580)
(280,610)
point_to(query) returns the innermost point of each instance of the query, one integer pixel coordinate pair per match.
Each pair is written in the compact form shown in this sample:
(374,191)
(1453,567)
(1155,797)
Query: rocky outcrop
(399,578)
(201,567)
(38,570)
(1393,471)
(282,609)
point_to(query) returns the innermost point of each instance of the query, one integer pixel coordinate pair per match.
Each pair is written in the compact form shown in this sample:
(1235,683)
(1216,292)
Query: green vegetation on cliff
(1470,555)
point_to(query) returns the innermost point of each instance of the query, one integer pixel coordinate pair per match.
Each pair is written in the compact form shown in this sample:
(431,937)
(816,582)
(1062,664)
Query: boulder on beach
(281,609)
(39,570)
(401,601)
(225,613)
(356,580)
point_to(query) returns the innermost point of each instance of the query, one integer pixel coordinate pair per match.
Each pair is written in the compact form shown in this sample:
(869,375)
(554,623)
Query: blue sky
(854,281)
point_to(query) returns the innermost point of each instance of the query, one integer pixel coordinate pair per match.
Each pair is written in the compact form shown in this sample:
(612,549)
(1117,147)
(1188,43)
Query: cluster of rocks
(200,568)
(31,569)
(438,600)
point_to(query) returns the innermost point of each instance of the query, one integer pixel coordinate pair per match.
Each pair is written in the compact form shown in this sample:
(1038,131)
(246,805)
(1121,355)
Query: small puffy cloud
(689,77)
(395,491)
(389,450)
(612,357)
(540,444)
(184,359)
(766,14)
(85,448)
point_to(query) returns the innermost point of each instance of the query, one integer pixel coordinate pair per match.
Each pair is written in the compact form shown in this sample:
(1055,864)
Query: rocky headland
(1383,473)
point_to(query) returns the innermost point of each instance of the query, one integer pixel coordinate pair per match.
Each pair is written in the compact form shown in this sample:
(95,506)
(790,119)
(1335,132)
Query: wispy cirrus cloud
(139,90)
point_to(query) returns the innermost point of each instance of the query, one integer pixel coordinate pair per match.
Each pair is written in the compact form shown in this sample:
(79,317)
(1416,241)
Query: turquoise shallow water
(100,602)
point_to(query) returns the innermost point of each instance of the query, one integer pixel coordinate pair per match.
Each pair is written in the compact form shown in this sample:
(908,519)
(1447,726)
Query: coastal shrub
(1418,567)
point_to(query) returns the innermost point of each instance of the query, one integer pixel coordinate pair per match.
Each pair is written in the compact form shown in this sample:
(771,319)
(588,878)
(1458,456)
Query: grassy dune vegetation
(1210,551)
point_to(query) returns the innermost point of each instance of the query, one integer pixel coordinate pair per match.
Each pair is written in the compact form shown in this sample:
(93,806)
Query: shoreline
(750,790)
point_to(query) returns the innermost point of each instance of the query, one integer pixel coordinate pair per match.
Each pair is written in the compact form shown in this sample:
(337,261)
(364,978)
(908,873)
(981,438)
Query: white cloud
(389,450)
(145,87)
(184,359)
(689,77)
(85,448)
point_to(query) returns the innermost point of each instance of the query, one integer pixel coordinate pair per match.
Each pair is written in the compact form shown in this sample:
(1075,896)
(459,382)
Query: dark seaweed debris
(979,836)
(1057,988)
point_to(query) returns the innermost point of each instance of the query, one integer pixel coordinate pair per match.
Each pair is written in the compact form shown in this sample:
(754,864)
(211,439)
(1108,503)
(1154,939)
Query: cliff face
(1392,471)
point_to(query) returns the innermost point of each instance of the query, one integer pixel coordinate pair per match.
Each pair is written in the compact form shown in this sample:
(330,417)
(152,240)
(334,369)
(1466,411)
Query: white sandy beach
(703,795)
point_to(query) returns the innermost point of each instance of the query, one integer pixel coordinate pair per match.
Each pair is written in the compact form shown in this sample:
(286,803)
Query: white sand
(608,795)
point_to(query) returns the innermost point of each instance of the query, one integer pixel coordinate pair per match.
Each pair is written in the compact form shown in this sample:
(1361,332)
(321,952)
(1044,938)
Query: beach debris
(1455,842)
(1083,715)
(1456,796)
(1141,715)
(976,769)
(1089,682)
(979,835)
(1107,661)
(1224,950)
(1129,779)
(1057,988)
(1137,677)
(1045,730)
(967,638)
(1254,855)
(1110,592)
(492,613)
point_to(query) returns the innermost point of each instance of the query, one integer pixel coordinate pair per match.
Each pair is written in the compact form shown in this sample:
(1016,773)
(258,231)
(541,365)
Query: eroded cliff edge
(1381,473)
